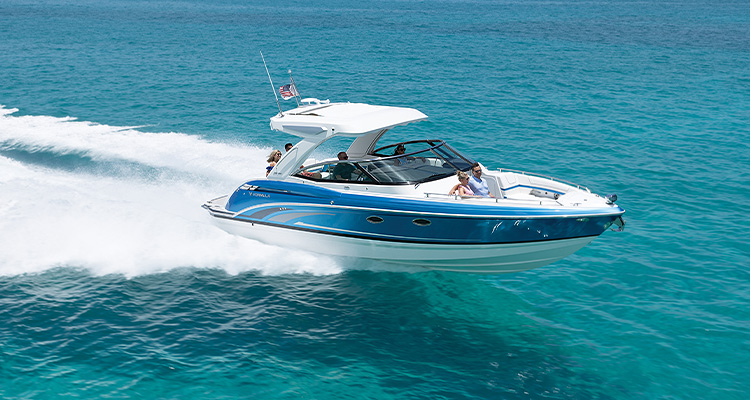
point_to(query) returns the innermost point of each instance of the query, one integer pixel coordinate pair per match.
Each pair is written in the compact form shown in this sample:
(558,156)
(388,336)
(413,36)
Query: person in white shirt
(477,184)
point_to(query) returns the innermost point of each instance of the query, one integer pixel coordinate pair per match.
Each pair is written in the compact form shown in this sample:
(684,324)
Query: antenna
(297,97)
(273,88)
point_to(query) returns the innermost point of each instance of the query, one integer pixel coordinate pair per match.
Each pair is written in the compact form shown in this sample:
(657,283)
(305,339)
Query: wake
(139,215)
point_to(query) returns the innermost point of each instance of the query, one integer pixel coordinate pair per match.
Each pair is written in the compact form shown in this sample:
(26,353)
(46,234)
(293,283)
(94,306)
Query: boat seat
(494,186)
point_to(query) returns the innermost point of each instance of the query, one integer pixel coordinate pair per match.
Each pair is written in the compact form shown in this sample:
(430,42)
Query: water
(120,118)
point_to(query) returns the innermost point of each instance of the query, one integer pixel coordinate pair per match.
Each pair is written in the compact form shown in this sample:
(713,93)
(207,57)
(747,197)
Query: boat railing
(483,199)
(552,178)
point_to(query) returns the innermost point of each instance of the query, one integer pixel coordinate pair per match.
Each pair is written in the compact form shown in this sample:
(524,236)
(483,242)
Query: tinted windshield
(401,163)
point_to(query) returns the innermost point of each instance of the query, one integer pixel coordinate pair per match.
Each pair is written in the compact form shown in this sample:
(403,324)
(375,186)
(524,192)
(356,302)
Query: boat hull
(440,235)
(475,258)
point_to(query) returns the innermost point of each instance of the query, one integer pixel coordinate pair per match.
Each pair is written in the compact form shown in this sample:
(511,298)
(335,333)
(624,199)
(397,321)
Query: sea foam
(116,222)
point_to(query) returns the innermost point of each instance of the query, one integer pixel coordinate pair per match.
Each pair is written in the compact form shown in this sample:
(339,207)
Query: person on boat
(343,170)
(273,158)
(462,188)
(477,184)
(400,150)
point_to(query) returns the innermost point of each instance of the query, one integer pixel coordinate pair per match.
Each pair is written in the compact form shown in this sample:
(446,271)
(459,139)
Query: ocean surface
(120,118)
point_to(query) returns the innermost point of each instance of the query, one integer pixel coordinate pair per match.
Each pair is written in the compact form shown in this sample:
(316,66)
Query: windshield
(402,163)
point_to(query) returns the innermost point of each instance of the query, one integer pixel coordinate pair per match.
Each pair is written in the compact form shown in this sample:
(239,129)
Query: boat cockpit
(404,163)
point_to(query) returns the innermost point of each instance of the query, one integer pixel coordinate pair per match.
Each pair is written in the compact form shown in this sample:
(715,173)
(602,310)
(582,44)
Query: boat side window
(349,172)
(342,171)
(403,148)
(382,171)
(435,160)
(315,172)
(452,159)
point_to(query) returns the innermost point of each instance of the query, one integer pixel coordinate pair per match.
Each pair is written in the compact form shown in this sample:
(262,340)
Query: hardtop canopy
(345,119)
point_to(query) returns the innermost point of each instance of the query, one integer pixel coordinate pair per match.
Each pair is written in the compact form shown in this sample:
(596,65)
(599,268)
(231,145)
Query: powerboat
(395,202)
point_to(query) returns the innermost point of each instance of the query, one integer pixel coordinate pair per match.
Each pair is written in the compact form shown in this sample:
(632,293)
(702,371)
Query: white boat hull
(474,258)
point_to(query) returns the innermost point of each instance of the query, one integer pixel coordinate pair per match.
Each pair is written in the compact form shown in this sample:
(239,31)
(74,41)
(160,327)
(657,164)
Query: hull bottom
(475,258)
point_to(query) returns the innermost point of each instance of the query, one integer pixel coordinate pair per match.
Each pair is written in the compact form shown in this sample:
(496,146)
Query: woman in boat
(462,188)
(273,158)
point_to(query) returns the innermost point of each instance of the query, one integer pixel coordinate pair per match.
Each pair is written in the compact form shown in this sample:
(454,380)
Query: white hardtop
(349,119)
(317,121)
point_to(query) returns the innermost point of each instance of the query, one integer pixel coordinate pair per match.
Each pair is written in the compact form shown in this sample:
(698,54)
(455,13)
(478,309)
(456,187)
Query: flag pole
(297,97)
(273,88)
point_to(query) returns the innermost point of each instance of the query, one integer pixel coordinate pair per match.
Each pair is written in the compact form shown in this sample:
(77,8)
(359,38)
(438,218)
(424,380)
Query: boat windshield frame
(433,160)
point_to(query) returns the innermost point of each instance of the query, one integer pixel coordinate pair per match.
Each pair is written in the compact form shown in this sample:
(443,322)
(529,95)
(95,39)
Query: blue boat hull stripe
(349,233)
(301,228)
(275,207)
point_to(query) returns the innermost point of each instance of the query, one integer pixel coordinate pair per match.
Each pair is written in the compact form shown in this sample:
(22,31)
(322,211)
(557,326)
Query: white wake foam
(176,151)
(130,225)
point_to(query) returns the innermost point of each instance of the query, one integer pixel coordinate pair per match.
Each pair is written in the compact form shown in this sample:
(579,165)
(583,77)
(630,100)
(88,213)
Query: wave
(105,143)
(122,219)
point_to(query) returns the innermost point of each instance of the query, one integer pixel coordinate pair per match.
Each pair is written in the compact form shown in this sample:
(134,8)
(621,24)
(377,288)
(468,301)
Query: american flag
(288,91)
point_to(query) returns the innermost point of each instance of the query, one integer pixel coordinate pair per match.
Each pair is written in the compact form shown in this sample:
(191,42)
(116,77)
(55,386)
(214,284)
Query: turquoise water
(120,118)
